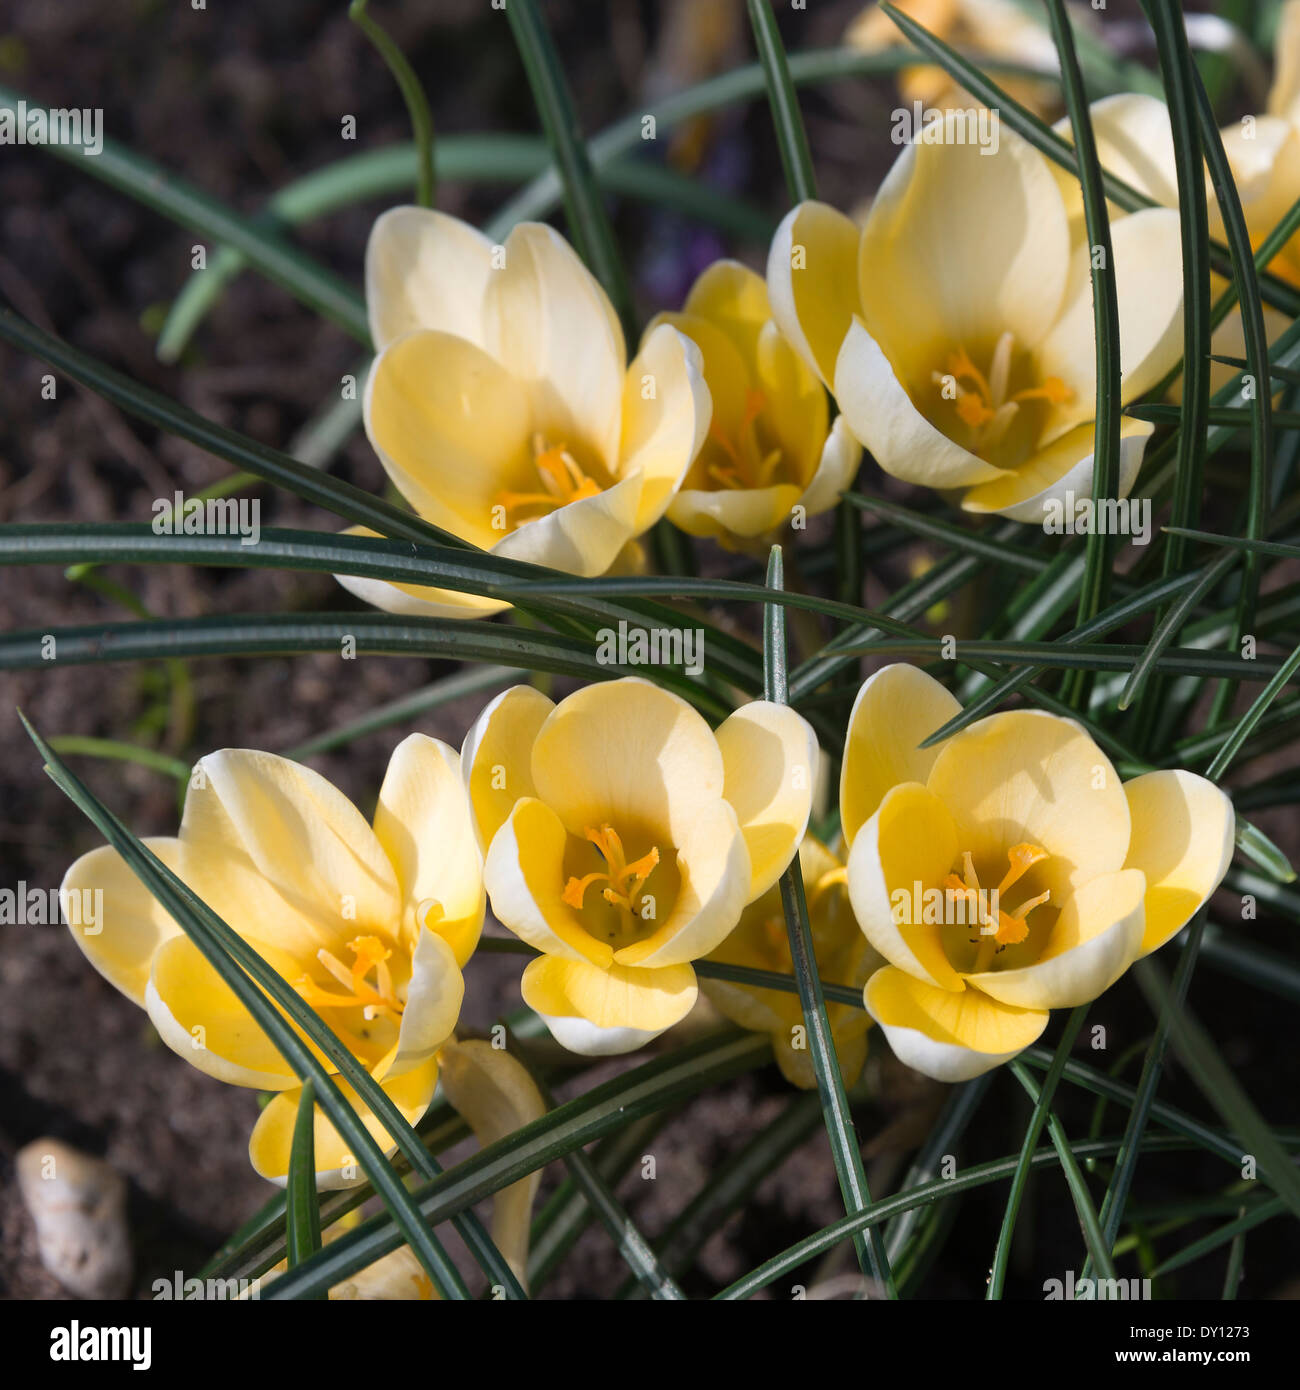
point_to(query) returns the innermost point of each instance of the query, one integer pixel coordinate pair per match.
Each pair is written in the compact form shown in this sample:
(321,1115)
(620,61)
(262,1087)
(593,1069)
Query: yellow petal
(1093,942)
(727,514)
(1284,95)
(128,923)
(201,1019)
(416,600)
(433,998)
(812,282)
(734,299)
(1149,289)
(769,755)
(666,412)
(950,1035)
(336,1165)
(496,759)
(284,856)
(627,752)
(585,537)
(714,872)
(881,414)
(1135,143)
(1037,491)
(1025,776)
(795,407)
(962,245)
(616,997)
(910,841)
(425,269)
(896,710)
(525,878)
(837,467)
(1183,835)
(424,824)
(496,1095)
(552,327)
(453,429)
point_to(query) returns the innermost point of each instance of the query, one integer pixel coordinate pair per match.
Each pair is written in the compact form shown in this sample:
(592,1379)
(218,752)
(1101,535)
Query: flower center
(740,460)
(375,998)
(998,927)
(562,482)
(986,403)
(623,881)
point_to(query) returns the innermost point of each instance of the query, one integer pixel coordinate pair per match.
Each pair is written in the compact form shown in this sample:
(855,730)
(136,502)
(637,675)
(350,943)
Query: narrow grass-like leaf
(944,533)
(417,104)
(113,749)
(791,138)
(302,1202)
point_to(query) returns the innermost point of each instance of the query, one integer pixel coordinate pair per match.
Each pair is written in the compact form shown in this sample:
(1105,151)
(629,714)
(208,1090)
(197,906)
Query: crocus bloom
(495,1094)
(503,407)
(761,942)
(997,29)
(770,448)
(370,924)
(1089,873)
(624,837)
(956,329)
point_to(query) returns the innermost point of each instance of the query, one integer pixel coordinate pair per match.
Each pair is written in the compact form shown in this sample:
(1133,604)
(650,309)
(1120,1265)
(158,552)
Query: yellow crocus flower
(760,942)
(1049,876)
(997,29)
(624,838)
(503,407)
(369,923)
(955,328)
(771,448)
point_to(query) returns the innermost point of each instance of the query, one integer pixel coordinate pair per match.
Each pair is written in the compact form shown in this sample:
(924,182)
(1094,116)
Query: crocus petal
(1028,776)
(525,878)
(734,299)
(812,282)
(960,245)
(271,1142)
(618,996)
(837,467)
(584,537)
(453,429)
(1093,942)
(664,429)
(626,752)
(1183,835)
(284,856)
(551,325)
(723,513)
(769,755)
(896,710)
(434,995)
(1135,143)
(130,925)
(713,866)
(1149,290)
(496,1095)
(496,759)
(425,269)
(200,1018)
(1037,491)
(424,824)
(881,415)
(910,840)
(950,1035)
(419,600)
(1284,95)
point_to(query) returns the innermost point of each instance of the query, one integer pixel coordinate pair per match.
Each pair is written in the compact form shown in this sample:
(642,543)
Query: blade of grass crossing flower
(417,105)
(230,956)
(845,1149)
(630,1243)
(1253,715)
(1041,1110)
(302,1202)
(1105,306)
(588,222)
(1082,1198)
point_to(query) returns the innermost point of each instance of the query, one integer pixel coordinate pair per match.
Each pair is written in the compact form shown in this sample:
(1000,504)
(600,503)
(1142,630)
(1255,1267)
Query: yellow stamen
(561,478)
(737,473)
(624,880)
(369,954)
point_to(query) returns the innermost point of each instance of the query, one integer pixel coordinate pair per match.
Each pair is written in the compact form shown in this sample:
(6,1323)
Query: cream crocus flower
(997,29)
(771,447)
(369,923)
(1089,873)
(760,942)
(624,838)
(495,1094)
(955,328)
(503,407)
